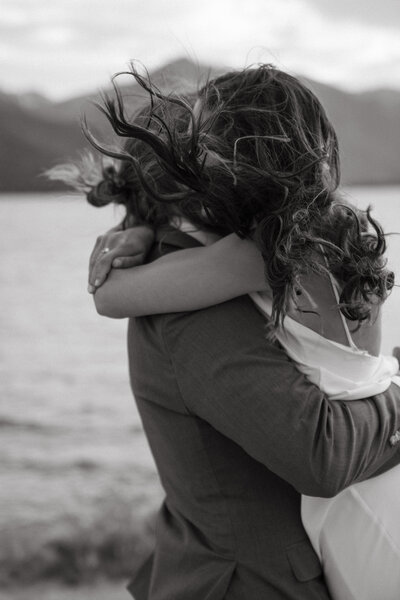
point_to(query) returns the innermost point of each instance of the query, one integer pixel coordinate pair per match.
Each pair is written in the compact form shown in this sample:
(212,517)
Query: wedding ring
(105,250)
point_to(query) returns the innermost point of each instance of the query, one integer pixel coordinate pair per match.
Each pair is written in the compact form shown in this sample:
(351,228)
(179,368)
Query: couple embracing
(254,297)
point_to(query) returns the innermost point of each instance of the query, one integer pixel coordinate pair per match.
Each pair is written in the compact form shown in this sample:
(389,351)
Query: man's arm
(248,389)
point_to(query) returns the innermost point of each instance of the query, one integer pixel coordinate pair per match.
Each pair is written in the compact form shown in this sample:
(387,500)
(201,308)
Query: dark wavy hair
(258,156)
(114,176)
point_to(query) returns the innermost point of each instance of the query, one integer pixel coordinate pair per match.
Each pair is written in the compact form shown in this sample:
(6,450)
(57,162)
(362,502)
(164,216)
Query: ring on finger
(105,250)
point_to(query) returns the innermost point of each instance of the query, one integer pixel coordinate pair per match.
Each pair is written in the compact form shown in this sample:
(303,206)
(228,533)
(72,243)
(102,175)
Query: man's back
(229,527)
(238,433)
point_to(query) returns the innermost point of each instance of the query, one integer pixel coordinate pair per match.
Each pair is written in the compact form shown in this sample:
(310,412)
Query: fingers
(100,269)
(126,262)
(106,262)
(125,248)
(103,241)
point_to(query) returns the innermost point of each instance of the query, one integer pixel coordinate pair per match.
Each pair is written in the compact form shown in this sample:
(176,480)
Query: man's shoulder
(228,328)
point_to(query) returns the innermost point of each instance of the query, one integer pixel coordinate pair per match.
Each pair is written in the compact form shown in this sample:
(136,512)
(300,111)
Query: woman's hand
(120,249)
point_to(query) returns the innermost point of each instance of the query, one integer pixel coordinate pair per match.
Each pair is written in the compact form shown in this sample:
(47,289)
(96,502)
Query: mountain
(368,128)
(181,75)
(32,141)
(37,133)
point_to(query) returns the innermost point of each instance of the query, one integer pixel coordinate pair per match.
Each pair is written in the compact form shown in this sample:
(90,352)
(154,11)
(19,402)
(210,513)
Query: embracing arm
(186,280)
(250,391)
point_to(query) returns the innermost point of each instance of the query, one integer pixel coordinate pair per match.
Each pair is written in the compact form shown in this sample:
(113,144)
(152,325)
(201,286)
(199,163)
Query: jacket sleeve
(250,391)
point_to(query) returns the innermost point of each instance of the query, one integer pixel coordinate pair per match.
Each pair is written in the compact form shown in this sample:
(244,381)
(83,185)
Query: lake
(76,476)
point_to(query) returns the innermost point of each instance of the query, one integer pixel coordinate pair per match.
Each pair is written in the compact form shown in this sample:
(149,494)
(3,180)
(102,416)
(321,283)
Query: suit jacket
(237,434)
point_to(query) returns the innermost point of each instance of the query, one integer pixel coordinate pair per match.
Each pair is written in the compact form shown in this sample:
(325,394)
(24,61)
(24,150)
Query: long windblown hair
(256,156)
(114,176)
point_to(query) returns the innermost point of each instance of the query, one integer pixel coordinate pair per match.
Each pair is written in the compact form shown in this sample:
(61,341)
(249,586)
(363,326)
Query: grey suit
(238,434)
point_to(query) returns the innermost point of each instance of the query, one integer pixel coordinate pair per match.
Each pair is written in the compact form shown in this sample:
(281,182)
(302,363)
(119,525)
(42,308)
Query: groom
(237,434)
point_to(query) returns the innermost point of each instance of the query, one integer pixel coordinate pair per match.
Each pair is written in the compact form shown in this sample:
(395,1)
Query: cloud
(385,13)
(71,46)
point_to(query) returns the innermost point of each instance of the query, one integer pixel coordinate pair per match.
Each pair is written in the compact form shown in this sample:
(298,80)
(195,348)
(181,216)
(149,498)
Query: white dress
(356,534)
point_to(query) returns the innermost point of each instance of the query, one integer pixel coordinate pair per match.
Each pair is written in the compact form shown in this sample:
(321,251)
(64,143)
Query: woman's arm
(186,280)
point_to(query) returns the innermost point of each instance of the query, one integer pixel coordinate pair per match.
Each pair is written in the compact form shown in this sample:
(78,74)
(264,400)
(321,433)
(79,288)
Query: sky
(63,48)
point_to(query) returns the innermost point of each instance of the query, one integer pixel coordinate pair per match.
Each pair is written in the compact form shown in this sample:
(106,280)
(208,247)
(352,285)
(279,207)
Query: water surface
(75,465)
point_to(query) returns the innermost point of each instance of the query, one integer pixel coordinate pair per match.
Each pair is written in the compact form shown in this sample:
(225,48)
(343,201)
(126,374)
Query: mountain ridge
(38,133)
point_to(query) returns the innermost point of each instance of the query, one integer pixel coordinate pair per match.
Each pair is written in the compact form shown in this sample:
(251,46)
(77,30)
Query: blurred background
(78,488)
